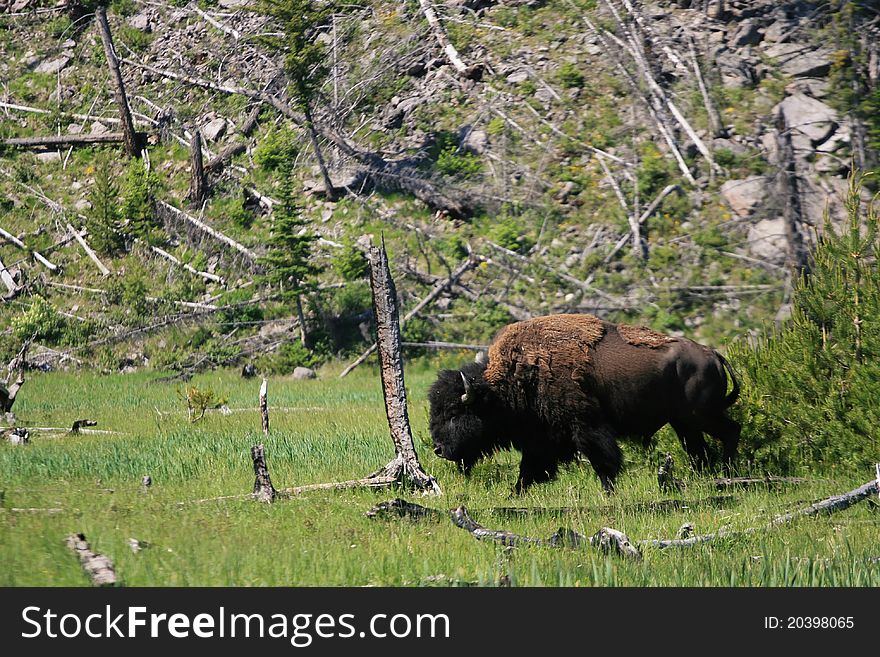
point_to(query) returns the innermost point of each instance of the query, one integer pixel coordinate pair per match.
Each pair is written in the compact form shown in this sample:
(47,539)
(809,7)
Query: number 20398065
(808,622)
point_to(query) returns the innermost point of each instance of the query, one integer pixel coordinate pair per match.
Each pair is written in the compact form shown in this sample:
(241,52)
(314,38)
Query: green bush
(810,395)
(290,356)
(569,76)
(351,264)
(452,160)
(41,320)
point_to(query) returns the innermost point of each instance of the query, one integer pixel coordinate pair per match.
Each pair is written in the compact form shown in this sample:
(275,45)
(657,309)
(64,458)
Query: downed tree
(829,505)
(98,567)
(52,141)
(463,69)
(216,234)
(21,245)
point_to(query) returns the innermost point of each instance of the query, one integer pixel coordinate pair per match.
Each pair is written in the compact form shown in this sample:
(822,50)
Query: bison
(560,385)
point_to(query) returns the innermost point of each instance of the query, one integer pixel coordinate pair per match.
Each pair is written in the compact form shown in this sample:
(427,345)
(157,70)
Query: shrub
(41,320)
(810,395)
(569,76)
(276,148)
(198,401)
(351,263)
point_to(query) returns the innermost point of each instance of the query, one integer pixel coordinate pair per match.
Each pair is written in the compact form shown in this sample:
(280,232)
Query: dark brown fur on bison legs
(561,385)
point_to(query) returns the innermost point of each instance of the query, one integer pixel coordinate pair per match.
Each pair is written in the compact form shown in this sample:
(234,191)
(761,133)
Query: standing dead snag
(129,136)
(264,406)
(405,465)
(98,567)
(198,186)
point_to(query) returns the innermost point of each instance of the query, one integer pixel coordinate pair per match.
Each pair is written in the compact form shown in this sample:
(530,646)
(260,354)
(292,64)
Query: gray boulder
(302,373)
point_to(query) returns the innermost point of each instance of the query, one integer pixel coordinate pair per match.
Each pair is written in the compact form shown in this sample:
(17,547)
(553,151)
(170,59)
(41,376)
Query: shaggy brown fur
(642,336)
(560,342)
(558,385)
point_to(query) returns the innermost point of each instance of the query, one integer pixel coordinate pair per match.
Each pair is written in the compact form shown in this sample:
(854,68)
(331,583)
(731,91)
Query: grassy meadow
(332,429)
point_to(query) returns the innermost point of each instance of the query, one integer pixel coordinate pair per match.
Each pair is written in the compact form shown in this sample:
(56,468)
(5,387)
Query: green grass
(330,430)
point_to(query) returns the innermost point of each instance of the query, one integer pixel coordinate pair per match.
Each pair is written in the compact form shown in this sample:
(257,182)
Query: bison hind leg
(727,431)
(599,444)
(691,437)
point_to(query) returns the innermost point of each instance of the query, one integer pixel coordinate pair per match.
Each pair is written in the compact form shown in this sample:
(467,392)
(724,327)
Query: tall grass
(329,430)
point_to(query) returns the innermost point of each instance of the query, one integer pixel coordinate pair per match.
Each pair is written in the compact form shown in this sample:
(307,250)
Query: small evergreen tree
(811,390)
(138,203)
(287,262)
(103,219)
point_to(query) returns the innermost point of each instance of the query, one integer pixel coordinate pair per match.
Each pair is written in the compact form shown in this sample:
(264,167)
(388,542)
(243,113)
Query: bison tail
(733,395)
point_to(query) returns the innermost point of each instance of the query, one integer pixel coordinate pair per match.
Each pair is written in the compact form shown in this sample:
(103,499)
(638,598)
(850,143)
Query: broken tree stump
(405,466)
(264,491)
(98,567)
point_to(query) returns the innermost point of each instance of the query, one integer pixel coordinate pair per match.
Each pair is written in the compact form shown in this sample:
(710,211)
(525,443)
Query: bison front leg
(599,444)
(535,468)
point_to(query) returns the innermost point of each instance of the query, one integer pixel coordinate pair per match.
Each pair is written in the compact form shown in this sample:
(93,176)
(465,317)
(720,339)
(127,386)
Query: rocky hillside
(663,162)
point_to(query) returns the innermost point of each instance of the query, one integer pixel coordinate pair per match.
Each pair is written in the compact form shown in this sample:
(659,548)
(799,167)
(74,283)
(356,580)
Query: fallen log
(7,279)
(745,482)
(89,252)
(829,505)
(79,424)
(216,234)
(607,540)
(52,141)
(21,245)
(216,163)
(98,567)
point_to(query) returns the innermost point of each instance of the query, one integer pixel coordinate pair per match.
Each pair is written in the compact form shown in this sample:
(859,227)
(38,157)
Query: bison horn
(466,398)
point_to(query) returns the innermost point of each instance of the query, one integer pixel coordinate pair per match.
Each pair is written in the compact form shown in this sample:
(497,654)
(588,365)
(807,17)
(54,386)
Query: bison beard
(561,385)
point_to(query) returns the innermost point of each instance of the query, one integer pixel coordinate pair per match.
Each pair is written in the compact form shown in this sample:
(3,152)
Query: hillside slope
(665,163)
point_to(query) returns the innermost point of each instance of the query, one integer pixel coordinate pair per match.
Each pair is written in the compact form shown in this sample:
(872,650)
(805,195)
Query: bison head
(460,416)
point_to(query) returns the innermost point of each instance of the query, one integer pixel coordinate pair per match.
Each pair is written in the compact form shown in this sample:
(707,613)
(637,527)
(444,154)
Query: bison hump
(642,336)
(555,345)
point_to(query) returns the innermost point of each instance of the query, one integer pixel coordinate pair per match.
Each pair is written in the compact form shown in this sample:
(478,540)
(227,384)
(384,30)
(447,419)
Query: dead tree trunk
(451,53)
(216,163)
(198,187)
(7,279)
(405,464)
(129,136)
(21,245)
(329,190)
(89,252)
(789,192)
